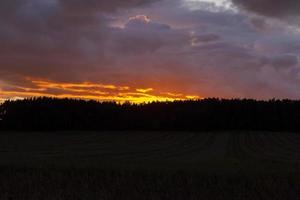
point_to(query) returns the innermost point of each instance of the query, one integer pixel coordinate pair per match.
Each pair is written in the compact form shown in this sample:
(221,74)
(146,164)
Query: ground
(152,164)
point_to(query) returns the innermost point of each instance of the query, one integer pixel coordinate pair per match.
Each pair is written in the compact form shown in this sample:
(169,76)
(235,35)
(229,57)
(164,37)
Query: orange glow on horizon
(144,90)
(192,97)
(89,91)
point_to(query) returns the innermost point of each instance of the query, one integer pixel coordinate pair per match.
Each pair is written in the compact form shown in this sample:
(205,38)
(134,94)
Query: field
(149,165)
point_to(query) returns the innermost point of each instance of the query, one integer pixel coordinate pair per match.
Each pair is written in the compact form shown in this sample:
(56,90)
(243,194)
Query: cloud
(141,90)
(144,44)
(141,35)
(281,9)
(144,22)
(86,90)
(87,6)
(259,24)
(282,61)
(57,38)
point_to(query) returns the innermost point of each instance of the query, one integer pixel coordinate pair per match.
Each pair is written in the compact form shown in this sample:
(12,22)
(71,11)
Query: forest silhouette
(50,114)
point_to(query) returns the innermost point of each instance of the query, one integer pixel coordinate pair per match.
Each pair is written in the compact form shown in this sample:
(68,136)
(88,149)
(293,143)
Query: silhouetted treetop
(45,114)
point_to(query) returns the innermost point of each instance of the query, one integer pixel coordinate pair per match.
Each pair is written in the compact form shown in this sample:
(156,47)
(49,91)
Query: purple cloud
(151,44)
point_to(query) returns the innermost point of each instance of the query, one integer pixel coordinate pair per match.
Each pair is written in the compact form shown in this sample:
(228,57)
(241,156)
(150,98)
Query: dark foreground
(149,165)
(49,183)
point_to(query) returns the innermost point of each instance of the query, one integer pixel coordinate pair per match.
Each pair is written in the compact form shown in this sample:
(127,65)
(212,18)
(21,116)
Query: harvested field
(149,165)
(92,184)
(155,149)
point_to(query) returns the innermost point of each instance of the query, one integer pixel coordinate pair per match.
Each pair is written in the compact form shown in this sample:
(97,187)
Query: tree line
(49,114)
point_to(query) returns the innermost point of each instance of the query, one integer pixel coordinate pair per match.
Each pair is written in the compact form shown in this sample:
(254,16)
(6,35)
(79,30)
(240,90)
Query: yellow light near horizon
(90,91)
(145,90)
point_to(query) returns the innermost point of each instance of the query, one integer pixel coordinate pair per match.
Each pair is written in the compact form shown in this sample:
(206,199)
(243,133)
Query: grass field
(149,165)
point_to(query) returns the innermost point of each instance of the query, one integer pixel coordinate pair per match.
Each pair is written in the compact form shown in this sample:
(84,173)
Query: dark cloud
(282,9)
(58,37)
(162,45)
(198,39)
(259,24)
(87,6)
(141,35)
(73,6)
(39,14)
(282,61)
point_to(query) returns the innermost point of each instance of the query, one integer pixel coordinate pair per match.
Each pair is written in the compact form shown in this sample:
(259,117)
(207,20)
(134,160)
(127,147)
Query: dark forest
(48,114)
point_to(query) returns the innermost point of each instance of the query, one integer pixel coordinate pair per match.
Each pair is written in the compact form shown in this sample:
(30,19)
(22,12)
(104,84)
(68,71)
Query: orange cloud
(88,90)
(145,90)
(50,84)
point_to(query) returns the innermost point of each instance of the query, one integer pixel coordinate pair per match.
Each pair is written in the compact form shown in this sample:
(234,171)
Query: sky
(148,50)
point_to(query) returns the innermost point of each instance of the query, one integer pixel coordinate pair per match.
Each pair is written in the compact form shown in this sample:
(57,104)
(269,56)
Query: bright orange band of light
(88,91)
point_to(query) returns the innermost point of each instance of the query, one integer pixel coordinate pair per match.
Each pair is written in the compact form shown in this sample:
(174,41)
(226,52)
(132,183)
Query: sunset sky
(146,50)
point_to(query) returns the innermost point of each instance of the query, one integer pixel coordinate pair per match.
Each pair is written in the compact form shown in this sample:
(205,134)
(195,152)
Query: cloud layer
(281,9)
(163,45)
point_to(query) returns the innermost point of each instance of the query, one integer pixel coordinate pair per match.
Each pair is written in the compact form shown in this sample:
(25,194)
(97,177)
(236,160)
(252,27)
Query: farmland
(159,149)
(153,164)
